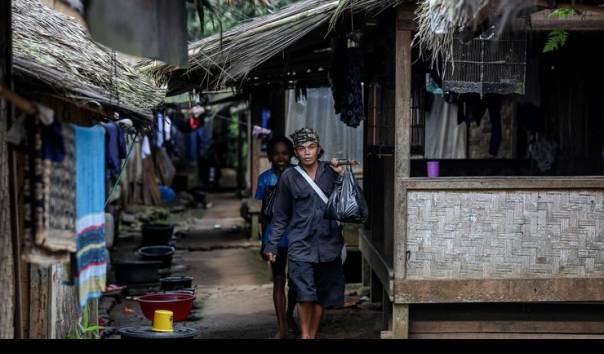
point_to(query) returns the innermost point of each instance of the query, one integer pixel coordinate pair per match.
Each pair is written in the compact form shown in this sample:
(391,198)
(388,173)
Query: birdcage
(488,64)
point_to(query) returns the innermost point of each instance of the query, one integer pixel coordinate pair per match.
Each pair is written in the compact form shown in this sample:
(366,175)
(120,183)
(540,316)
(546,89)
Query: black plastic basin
(157,234)
(157,253)
(176,283)
(137,272)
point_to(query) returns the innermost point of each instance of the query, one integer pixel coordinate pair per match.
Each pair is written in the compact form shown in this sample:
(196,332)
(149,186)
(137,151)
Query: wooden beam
(503,183)
(496,326)
(498,290)
(504,336)
(406,18)
(588,18)
(377,263)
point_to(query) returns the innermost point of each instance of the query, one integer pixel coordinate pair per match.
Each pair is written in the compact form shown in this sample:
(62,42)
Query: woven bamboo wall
(505,234)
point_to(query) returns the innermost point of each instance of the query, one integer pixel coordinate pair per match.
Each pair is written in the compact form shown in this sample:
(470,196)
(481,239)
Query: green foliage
(556,39)
(85,329)
(563,13)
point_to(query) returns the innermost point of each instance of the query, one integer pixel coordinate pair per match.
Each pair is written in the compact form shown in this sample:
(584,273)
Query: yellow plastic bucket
(162,321)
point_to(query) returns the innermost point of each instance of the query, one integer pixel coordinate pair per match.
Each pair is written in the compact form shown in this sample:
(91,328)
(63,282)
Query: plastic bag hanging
(347,203)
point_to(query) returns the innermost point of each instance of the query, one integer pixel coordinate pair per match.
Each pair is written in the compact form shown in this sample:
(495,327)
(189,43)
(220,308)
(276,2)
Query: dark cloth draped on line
(347,75)
(115,148)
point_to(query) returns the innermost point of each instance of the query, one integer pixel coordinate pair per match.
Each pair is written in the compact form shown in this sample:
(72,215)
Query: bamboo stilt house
(55,64)
(506,242)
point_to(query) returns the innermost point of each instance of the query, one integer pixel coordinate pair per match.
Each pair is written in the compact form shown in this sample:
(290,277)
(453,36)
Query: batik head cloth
(305,135)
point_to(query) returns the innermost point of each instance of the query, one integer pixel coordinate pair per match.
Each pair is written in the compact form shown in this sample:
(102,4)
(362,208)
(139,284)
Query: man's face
(308,153)
(280,156)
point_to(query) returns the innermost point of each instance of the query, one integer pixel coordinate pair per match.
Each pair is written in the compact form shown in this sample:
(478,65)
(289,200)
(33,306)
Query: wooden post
(400,321)
(401,167)
(7,272)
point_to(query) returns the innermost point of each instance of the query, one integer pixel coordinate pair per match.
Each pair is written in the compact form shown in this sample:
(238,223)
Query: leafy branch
(556,39)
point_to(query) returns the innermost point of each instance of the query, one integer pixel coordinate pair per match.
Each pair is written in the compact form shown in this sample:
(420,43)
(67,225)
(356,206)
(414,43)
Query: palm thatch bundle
(369,6)
(440,20)
(54,48)
(231,56)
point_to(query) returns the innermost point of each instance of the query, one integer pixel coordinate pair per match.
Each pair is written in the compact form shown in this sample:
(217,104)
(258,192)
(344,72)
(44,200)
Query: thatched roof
(57,50)
(231,56)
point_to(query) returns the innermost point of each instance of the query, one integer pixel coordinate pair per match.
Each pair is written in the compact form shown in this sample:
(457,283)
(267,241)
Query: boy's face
(308,153)
(280,156)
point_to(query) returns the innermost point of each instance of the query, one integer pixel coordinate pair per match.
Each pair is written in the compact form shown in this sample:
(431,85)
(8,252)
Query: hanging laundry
(112,148)
(192,145)
(473,108)
(45,114)
(17,133)
(91,256)
(167,129)
(445,139)
(49,195)
(134,169)
(196,111)
(266,117)
(159,130)
(432,86)
(347,76)
(544,151)
(261,133)
(146,148)
(53,148)
(194,123)
(494,104)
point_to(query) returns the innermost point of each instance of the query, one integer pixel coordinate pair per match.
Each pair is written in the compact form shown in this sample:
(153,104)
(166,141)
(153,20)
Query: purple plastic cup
(433,169)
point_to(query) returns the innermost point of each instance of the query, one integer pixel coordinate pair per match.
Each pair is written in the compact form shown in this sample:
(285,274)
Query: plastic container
(433,169)
(162,321)
(179,304)
(137,272)
(157,234)
(176,283)
(157,253)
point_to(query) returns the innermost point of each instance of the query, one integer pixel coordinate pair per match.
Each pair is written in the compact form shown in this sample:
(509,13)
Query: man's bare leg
(279,301)
(317,313)
(305,311)
(291,305)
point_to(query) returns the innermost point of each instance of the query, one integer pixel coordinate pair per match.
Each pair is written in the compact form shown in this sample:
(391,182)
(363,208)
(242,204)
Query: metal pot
(137,272)
(157,253)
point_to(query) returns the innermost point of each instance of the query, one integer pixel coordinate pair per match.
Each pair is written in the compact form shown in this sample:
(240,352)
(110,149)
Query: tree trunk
(7,278)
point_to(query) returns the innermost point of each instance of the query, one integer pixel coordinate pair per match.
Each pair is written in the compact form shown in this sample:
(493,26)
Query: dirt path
(234,293)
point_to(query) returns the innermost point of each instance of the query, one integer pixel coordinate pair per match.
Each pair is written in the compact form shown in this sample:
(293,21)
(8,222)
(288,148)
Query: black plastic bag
(347,203)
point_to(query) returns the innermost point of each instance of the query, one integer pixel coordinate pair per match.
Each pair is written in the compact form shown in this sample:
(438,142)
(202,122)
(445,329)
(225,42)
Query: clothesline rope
(119,176)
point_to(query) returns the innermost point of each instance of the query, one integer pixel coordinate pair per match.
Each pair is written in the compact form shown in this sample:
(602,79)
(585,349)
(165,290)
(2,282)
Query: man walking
(315,243)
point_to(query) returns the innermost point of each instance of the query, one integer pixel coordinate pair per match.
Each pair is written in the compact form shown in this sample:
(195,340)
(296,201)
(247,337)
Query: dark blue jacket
(298,210)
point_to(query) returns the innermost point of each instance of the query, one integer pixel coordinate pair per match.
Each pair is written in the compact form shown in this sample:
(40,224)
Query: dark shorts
(278,267)
(321,283)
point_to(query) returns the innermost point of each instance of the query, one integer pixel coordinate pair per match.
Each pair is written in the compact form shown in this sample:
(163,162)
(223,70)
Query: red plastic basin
(179,304)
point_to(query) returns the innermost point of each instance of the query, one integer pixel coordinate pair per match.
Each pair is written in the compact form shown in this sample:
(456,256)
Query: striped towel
(91,256)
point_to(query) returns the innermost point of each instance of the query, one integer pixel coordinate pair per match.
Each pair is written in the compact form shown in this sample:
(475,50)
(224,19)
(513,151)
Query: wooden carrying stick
(19,102)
